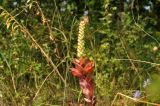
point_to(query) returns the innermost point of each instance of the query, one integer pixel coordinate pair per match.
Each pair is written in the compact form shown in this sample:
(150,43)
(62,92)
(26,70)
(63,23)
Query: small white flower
(15,3)
(86,13)
(64,2)
(63,9)
(146,83)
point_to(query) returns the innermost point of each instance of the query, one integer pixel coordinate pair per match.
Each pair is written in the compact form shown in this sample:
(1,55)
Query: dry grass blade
(132,99)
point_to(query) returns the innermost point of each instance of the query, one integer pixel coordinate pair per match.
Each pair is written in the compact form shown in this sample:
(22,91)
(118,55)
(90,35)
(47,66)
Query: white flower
(86,13)
(64,2)
(63,9)
(15,3)
(146,82)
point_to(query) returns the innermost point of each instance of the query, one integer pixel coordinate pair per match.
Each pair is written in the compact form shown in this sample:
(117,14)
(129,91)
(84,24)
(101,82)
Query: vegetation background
(38,41)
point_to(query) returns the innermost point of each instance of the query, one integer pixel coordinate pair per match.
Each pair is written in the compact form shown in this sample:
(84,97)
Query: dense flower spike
(80,47)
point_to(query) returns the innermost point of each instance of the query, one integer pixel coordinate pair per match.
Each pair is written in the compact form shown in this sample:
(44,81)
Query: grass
(36,56)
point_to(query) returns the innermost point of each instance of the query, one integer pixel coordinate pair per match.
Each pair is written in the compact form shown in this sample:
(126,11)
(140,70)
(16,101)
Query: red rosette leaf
(76,72)
(82,61)
(78,67)
(89,67)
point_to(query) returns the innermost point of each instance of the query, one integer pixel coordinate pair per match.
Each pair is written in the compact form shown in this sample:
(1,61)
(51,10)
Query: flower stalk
(83,67)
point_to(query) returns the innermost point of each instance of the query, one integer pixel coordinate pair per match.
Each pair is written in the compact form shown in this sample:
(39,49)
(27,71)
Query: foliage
(153,89)
(38,41)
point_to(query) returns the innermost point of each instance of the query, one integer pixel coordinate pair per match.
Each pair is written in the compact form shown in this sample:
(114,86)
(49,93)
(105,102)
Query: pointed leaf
(89,67)
(78,66)
(82,60)
(75,72)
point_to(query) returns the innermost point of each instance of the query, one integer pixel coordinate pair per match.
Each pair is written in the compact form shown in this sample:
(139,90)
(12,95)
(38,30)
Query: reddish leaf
(82,60)
(75,72)
(78,67)
(87,86)
(76,61)
(89,67)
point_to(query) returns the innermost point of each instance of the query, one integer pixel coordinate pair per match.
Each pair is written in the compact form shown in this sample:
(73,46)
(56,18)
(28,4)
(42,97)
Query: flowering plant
(83,69)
